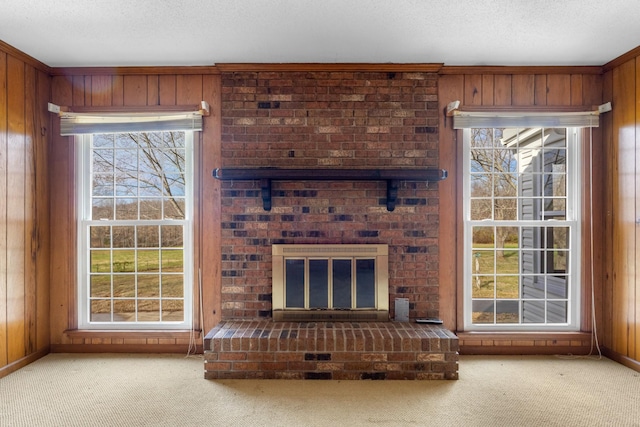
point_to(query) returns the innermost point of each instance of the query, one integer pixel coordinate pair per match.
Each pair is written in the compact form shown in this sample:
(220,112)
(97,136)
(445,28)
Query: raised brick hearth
(330,350)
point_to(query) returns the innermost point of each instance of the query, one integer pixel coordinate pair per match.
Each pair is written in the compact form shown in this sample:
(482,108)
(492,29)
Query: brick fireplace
(337,121)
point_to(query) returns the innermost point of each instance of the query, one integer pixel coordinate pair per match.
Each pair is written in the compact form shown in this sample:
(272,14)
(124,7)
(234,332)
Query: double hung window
(521,228)
(135,214)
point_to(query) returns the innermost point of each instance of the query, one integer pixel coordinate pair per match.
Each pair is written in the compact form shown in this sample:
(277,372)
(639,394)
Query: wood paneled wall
(24,209)
(543,88)
(134,88)
(621,295)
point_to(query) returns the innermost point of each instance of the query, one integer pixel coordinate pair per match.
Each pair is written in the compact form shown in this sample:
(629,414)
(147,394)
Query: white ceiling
(65,33)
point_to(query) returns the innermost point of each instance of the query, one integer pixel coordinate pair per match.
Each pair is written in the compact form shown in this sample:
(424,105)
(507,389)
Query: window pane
(365,283)
(124,285)
(172,286)
(100,310)
(171,236)
(318,283)
(100,285)
(124,310)
(124,261)
(294,283)
(174,208)
(172,260)
(507,312)
(148,261)
(173,310)
(341,283)
(102,209)
(148,310)
(126,209)
(507,287)
(150,209)
(482,311)
(483,286)
(100,237)
(123,236)
(148,236)
(148,285)
(100,261)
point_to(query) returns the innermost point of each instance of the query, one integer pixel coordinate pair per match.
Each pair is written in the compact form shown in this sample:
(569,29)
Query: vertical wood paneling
(473,89)
(636,255)
(135,90)
(624,140)
(3,211)
(502,90)
(450,299)
(30,211)
(576,89)
(117,90)
(523,89)
(15,210)
(209,215)
(487,89)
(167,90)
(540,91)
(559,89)
(24,270)
(188,89)
(609,156)
(63,278)
(77,91)
(41,149)
(100,91)
(153,97)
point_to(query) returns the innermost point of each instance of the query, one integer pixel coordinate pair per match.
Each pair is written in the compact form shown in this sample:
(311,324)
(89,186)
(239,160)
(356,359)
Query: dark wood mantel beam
(392,176)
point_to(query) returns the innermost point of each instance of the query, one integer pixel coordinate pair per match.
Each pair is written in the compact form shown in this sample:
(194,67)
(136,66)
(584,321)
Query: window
(521,229)
(135,230)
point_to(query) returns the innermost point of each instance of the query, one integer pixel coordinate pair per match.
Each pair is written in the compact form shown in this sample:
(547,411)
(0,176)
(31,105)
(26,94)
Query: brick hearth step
(330,350)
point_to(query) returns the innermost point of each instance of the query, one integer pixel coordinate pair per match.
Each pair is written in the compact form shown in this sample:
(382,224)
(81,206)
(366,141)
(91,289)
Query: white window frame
(573,221)
(83,144)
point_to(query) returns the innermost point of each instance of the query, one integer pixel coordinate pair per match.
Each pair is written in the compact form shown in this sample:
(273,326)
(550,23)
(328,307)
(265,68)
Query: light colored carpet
(169,390)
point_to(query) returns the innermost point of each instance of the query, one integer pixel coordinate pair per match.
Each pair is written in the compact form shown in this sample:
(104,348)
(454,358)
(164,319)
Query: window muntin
(521,235)
(135,238)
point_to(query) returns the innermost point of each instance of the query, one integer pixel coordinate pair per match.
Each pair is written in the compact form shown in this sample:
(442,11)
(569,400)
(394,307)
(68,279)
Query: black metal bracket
(392,176)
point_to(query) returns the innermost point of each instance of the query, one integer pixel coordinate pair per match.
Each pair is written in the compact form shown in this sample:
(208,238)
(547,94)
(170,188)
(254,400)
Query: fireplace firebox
(330,282)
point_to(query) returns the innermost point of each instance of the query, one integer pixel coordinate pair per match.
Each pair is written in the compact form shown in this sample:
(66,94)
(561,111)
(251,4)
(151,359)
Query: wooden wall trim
(126,348)
(534,70)
(164,334)
(319,67)
(628,56)
(21,363)
(519,336)
(126,71)
(515,350)
(20,55)
(621,358)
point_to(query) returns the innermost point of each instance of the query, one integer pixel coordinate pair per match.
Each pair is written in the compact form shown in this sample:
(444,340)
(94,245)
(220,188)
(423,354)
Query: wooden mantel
(392,176)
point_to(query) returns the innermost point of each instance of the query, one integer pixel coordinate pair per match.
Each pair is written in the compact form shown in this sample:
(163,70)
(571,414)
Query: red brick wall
(329,120)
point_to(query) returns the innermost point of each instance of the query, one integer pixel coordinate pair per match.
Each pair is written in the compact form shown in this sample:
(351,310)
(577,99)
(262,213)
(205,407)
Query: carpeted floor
(164,390)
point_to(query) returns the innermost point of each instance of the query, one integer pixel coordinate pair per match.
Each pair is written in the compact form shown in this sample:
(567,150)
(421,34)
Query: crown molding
(329,67)
(520,70)
(18,54)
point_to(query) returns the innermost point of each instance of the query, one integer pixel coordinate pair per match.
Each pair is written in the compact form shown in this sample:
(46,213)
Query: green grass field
(159,275)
